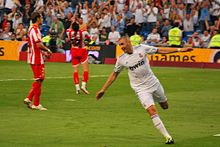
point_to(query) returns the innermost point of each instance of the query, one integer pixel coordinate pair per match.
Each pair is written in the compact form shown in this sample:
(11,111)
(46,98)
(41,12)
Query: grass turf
(117,120)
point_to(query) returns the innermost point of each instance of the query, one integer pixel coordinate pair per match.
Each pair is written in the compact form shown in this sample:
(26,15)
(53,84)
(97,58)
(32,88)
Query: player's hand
(49,52)
(189,49)
(100,94)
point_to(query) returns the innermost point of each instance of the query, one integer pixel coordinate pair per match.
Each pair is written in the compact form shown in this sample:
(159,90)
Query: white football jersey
(139,71)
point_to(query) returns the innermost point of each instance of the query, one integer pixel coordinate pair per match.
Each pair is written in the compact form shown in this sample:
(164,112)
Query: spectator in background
(84,11)
(136,39)
(188,25)
(38,5)
(120,5)
(49,18)
(68,20)
(139,14)
(57,26)
(113,36)
(127,14)
(163,42)
(92,19)
(165,28)
(5,21)
(11,15)
(175,36)
(83,26)
(131,27)
(103,36)
(215,41)
(6,34)
(189,42)
(20,32)
(205,39)
(9,4)
(106,22)
(215,9)
(153,38)
(152,12)
(197,42)
(1,10)
(67,8)
(16,20)
(27,15)
(118,23)
(204,14)
(94,31)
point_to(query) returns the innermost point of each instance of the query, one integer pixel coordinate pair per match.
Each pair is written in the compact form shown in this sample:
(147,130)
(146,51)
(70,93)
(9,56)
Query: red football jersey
(34,53)
(78,38)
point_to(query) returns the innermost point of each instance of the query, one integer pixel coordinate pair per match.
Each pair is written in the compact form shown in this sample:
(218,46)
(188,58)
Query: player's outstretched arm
(110,80)
(173,50)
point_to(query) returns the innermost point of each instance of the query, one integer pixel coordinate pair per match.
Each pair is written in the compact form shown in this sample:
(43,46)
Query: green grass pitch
(117,120)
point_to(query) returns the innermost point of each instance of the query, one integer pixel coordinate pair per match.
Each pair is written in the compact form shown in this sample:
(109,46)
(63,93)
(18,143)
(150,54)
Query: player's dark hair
(35,16)
(176,24)
(75,26)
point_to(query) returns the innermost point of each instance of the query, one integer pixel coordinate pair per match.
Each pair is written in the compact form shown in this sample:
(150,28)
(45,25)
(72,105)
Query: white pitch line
(69,100)
(92,76)
(217,135)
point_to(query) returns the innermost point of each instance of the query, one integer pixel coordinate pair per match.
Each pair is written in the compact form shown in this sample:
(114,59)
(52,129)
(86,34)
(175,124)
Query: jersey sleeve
(36,35)
(118,66)
(149,49)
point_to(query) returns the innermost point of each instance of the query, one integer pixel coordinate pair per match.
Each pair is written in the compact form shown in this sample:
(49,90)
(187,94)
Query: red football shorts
(38,71)
(79,55)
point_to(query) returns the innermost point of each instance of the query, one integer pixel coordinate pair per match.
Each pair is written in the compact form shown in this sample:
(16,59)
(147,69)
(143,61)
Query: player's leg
(160,97)
(75,64)
(39,74)
(29,98)
(85,66)
(76,78)
(159,124)
(147,101)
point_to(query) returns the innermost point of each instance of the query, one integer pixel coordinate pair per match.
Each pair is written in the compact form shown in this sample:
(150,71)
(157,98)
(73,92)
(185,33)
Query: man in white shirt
(114,35)
(152,12)
(154,37)
(143,81)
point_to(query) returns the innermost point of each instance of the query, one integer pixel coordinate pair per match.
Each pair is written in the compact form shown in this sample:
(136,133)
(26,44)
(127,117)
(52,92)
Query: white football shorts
(148,98)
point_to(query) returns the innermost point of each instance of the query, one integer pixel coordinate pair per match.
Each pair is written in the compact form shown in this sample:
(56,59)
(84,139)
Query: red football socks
(85,76)
(76,78)
(37,93)
(31,92)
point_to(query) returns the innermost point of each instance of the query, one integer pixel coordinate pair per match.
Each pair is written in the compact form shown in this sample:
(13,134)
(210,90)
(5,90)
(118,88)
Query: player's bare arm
(44,48)
(110,80)
(173,50)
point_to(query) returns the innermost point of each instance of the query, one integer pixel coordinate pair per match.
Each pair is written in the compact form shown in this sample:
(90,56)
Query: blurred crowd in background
(181,23)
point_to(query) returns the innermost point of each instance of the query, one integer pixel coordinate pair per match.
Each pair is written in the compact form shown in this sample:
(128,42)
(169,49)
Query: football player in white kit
(142,80)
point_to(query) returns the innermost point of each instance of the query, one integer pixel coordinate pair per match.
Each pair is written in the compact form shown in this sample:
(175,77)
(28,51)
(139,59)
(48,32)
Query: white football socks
(77,87)
(84,85)
(160,126)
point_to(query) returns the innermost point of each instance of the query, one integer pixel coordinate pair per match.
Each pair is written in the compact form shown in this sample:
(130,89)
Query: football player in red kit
(79,55)
(36,51)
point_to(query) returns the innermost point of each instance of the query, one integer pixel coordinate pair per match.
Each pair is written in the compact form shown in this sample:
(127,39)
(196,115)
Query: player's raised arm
(110,80)
(173,50)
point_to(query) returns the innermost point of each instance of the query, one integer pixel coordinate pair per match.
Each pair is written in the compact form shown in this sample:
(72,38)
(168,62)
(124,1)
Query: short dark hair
(35,16)
(176,24)
(75,26)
